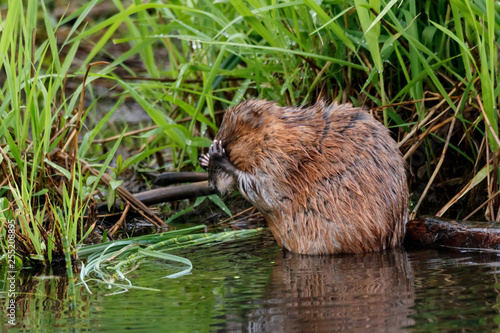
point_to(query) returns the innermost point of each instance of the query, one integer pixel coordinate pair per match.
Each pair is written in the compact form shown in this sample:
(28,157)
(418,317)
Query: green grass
(43,186)
(417,64)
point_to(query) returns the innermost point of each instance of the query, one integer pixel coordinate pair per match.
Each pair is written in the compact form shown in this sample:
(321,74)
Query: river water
(252,286)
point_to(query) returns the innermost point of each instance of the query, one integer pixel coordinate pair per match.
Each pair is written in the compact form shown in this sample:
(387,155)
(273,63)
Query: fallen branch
(450,233)
(164,194)
(169,178)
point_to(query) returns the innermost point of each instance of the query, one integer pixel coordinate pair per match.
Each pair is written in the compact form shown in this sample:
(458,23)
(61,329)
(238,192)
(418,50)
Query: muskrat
(327,178)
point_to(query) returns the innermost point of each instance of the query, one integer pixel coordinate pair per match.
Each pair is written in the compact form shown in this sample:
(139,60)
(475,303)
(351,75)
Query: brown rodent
(328,178)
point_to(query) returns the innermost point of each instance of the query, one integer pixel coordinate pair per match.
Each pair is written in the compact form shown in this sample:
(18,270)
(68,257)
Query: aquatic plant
(109,263)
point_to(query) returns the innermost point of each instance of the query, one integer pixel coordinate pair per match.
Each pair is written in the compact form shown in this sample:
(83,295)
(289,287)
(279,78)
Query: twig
(460,194)
(481,206)
(487,121)
(134,132)
(120,221)
(491,182)
(488,179)
(73,138)
(441,160)
(431,113)
(421,137)
(451,233)
(383,107)
(126,196)
(236,215)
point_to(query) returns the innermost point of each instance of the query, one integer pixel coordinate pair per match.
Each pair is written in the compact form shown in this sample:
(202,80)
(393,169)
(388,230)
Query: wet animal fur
(328,178)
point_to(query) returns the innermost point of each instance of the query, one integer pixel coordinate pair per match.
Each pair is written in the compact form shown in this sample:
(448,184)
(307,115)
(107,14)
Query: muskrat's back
(328,178)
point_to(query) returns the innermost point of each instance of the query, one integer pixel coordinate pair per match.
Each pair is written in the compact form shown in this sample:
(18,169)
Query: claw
(216,148)
(211,149)
(204,160)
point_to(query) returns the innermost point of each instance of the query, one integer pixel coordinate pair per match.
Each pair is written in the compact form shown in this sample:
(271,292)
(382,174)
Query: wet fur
(328,178)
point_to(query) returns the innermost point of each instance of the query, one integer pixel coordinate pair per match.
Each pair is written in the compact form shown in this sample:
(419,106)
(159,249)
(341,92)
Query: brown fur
(328,178)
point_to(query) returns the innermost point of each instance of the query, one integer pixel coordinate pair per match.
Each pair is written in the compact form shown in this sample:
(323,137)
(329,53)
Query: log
(168,178)
(430,231)
(164,194)
(174,193)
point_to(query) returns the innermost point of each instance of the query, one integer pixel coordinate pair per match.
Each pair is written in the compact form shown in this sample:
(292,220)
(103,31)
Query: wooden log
(164,194)
(168,178)
(431,231)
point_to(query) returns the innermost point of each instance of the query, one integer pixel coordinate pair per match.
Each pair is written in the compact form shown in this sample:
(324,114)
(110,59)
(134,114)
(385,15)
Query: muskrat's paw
(216,151)
(204,160)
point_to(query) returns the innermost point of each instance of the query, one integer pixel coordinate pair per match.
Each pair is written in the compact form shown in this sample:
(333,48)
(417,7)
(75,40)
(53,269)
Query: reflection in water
(38,298)
(336,293)
(249,285)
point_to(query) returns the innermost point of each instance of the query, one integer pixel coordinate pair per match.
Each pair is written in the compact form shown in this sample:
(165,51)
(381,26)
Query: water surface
(252,286)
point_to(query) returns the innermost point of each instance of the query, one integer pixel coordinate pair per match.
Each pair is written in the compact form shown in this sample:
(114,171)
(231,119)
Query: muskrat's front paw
(204,160)
(216,151)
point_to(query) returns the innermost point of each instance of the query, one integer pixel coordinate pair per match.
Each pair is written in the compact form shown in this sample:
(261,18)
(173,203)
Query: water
(252,286)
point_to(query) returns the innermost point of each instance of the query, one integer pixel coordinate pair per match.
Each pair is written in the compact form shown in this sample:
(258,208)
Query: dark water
(252,286)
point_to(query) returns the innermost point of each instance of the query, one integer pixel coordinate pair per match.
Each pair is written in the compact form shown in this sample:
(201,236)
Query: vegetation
(109,263)
(427,69)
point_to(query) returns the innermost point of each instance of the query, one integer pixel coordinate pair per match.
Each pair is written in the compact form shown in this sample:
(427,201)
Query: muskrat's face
(221,172)
(220,180)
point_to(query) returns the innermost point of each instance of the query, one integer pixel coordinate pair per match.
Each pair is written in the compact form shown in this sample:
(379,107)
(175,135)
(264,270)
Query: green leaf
(90,180)
(115,183)
(198,201)
(41,192)
(14,149)
(337,30)
(62,170)
(254,22)
(217,200)
(201,142)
